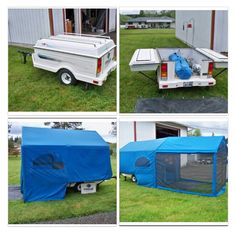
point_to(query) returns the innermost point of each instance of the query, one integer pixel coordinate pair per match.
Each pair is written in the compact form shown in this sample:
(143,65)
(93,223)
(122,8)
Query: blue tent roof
(190,144)
(60,137)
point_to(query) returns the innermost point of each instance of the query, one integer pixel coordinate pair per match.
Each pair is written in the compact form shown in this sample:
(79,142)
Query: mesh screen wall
(187,172)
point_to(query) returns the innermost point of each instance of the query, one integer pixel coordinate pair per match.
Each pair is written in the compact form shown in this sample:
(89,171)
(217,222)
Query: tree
(195,132)
(141,13)
(9,127)
(65,125)
(113,130)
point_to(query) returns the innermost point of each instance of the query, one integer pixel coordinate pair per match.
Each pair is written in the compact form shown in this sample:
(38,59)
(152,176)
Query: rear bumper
(192,82)
(103,77)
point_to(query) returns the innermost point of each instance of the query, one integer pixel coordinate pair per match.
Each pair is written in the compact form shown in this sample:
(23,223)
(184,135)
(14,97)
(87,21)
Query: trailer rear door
(144,60)
(220,61)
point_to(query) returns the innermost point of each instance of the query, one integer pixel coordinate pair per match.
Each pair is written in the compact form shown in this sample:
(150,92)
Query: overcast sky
(207,127)
(101,126)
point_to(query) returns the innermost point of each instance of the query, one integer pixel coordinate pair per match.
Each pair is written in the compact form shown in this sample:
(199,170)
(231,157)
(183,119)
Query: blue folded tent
(194,165)
(53,158)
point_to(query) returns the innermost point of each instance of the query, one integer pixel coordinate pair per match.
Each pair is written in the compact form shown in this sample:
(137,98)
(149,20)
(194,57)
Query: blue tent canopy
(184,164)
(52,158)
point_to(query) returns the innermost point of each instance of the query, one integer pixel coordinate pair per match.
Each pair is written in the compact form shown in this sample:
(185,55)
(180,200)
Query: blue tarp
(182,69)
(161,158)
(52,158)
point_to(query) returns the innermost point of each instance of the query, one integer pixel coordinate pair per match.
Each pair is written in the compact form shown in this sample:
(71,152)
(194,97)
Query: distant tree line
(147,13)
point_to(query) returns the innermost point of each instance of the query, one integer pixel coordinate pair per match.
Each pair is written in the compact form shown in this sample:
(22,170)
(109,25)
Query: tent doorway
(163,131)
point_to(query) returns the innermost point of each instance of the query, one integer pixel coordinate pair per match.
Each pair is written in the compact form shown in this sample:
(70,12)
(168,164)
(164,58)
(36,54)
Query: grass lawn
(134,86)
(142,204)
(33,89)
(74,204)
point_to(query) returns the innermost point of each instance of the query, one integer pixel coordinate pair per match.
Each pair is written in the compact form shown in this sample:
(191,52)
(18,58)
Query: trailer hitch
(24,55)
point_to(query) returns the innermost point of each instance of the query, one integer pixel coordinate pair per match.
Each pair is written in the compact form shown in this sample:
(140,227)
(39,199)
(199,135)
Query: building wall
(144,131)
(126,132)
(112,20)
(58,21)
(221,31)
(200,34)
(26,26)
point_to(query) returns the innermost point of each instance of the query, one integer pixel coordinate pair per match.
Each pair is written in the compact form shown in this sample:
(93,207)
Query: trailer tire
(66,77)
(133,178)
(77,187)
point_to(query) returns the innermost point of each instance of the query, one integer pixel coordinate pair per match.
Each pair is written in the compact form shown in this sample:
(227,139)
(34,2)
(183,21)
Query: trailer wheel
(133,178)
(66,77)
(77,187)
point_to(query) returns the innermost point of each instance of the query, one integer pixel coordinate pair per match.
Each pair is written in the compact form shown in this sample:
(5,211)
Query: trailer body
(201,60)
(83,57)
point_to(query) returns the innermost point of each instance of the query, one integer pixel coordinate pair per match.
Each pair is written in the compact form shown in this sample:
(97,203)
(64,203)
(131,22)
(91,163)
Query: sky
(125,12)
(101,126)
(207,127)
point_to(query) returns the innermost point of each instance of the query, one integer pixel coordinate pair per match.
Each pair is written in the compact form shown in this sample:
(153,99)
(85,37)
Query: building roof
(152,19)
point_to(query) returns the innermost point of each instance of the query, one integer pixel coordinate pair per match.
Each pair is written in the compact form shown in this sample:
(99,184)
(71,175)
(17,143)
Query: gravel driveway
(98,218)
(14,192)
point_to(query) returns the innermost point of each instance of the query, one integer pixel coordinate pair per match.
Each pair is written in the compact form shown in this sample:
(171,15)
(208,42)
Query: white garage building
(139,130)
(26,26)
(203,28)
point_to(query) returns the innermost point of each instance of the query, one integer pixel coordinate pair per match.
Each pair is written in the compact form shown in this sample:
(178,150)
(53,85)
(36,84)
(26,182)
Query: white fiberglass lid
(144,56)
(93,46)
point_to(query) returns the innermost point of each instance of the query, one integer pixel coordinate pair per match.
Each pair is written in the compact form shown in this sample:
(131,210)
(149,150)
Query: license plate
(188,84)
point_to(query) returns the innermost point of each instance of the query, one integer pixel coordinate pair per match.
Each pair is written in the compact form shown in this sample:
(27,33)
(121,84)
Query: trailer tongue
(200,60)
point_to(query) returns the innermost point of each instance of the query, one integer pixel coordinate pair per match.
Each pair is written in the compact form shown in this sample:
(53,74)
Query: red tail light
(210,68)
(164,68)
(99,65)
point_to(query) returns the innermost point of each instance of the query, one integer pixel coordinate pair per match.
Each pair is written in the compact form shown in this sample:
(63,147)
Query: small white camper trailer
(87,58)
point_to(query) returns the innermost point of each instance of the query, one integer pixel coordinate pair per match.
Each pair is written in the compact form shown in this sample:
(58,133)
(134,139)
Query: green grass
(142,204)
(33,89)
(74,204)
(134,86)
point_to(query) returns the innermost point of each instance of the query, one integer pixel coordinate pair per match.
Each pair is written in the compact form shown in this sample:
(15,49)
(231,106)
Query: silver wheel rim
(66,78)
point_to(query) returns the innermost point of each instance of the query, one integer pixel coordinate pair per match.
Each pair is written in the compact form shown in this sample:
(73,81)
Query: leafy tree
(195,132)
(9,127)
(113,130)
(65,125)
(124,19)
(141,13)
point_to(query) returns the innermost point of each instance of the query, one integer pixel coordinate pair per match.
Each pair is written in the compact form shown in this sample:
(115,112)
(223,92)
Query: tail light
(99,65)
(210,68)
(164,68)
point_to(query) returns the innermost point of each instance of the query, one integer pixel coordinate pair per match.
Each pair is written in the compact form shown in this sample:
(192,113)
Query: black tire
(66,77)
(77,187)
(133,178)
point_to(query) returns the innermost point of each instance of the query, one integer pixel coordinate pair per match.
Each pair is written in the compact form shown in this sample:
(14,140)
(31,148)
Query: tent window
(48,161)
(142,162)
